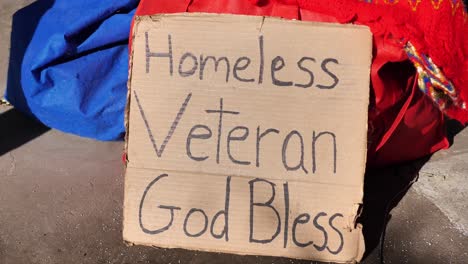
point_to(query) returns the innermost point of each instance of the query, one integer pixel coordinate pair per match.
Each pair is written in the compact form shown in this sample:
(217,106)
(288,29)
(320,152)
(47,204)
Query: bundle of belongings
(73,73)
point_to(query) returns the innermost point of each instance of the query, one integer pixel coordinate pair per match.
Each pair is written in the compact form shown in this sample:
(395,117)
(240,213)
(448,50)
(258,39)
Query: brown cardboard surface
(267,158)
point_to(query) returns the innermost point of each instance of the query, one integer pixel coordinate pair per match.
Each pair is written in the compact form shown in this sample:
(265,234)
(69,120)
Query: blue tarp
(73,73)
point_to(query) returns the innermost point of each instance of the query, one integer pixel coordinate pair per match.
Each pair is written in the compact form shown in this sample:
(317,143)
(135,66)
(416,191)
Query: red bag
(409,93)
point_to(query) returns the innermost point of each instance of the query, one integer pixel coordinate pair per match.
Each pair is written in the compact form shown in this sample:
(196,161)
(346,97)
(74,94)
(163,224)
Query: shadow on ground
(384,188)
(17,129)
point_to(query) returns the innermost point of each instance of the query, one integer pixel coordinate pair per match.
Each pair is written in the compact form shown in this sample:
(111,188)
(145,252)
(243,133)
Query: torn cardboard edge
(352,224)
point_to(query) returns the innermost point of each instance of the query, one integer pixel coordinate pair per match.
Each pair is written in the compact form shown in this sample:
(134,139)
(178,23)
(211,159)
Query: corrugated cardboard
(247,135)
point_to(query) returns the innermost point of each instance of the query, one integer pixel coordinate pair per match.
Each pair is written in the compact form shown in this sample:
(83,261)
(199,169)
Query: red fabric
(404,124)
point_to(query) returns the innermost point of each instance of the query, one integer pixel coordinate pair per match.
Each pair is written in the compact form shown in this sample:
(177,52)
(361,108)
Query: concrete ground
(61,199)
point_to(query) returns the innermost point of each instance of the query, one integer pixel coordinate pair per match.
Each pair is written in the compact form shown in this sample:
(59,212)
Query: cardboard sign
(247,135)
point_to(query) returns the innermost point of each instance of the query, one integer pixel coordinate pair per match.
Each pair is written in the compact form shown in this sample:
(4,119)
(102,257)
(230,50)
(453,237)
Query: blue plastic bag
(74,70)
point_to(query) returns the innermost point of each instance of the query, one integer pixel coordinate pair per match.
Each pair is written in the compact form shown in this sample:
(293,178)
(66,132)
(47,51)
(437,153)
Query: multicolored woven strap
(432,81)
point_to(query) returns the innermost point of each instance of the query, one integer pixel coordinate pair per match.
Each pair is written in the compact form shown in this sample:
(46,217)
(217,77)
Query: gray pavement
(61,199)
(444,181)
